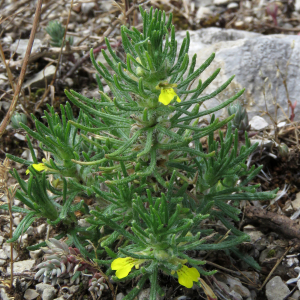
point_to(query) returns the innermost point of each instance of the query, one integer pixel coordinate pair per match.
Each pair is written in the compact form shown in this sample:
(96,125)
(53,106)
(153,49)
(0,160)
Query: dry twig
(13,104)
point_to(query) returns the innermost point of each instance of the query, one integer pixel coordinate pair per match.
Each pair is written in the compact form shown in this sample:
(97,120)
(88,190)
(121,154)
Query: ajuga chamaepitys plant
(136,151)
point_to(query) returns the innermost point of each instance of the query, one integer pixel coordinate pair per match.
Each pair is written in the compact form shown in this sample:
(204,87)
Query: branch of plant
(13,104)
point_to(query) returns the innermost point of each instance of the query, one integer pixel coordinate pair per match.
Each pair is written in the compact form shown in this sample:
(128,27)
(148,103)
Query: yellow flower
(186,276)
(167,94)
(39,167)
(123,265)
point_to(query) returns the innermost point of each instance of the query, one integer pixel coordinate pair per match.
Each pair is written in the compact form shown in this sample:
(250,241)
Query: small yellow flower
(39,167)
(186,276)
(167,94)
(123,265)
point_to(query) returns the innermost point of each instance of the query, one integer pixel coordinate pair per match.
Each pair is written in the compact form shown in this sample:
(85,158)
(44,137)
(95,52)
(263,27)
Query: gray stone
(276,289)
(36,253)
(17,221)
(6,248)
(21,266)
(236,295)
(1,240)
(30,294)
(74,288)
(236,286)
(258,123)
(296,295)
(49,294)
(87,8)
(38,79)
(40,287)
(20,46)
(120,296)
(3,254)
(252,58)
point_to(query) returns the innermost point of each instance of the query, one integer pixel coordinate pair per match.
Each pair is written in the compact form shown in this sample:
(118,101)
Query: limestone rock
(276,289)
(30,294)
(258,123)
(21,266)
(252,58)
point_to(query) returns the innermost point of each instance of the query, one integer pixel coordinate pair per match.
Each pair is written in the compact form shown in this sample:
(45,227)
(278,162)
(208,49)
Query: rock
(30,294)
(296,202)
(83,223)
(202,13)
(1,240)
(252,58)
(49,294)
(258,123)
(30,230)
(87,8)
(38,79)
(69,81)
(236,286)
(40,287)
(41,229)
(236,295)
(21,266)
(248,19)
(252,275)
(74,288)
(6,248)
(3,254)
(120,296)
(2,262)
(20,46)
(296,295)
(233,5)
(36,253)
(221,2)
(276,289)
(3,295)
(17,221)
(239,24)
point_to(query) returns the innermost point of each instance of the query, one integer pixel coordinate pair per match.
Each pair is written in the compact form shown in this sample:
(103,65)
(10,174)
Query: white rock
(30,294)
(232,5)
(296,202)
(297,5)
(235,295)
(3,254)
(30,230)
(20,137)
(6,248)
(36,253)
(221,2)
(41,229)
(202,13)
(2,262)
(251,58)
(248,19)
(83,223)
(20,46)
(86,8)
(1,240)
(38,79)
(258,123)
(276,289)
(17,221)
(3,295)
(21,266)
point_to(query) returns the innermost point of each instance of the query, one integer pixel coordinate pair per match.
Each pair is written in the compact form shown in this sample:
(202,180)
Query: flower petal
(167,95)
(186,276)
(123,265)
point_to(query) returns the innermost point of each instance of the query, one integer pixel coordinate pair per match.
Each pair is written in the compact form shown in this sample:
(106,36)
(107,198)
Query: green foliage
(139,155)
(57,32)
(240,120)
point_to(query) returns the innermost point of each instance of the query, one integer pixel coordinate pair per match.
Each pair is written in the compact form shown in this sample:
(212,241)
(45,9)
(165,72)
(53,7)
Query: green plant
(57,32)
(139,156)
